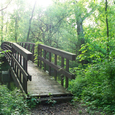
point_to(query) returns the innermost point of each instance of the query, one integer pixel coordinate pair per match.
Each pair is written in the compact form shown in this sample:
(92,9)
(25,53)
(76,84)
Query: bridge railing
(6,46)
(30,47)
(18,62)
(54,60)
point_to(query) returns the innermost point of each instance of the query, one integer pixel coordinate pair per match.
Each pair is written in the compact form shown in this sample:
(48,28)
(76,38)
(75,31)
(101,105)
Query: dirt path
(62,109)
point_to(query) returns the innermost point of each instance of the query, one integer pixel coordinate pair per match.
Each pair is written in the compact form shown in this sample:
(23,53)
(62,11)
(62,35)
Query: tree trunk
(80,35)
(16,29)
(2,14)
(107,28)
(30,22)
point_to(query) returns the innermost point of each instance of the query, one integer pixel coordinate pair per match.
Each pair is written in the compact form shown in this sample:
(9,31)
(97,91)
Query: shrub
(12,102)
(96,86)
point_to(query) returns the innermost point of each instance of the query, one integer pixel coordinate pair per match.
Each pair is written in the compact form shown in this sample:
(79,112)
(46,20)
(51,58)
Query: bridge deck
(42,84)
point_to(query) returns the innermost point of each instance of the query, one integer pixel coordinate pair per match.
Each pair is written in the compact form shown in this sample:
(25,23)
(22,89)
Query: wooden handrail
(19,57)
(22,51)
(59,52)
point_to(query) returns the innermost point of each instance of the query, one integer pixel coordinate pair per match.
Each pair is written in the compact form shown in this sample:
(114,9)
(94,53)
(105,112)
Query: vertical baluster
(12,62)
(29,47)
(25,64)
(18,61)
(24,80)
(25,84)
(33,52)
(22,44)
(55,71)
(67,69)
(62,76)
(15,63)
(25,46)
(50,61)
(44,58)
(20,64)
(18,56)
(38,56)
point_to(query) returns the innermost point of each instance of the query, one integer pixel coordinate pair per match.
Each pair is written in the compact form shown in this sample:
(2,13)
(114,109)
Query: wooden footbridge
(37,68)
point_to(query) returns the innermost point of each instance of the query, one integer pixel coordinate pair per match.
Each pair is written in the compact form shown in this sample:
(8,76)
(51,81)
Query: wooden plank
(67,69)
(56,51)
(49,61)
(14,76)
(58,68)
(27,54)
(42,84)
(55,71)
(21,69)
(45,58)
(62,76)
(6,46)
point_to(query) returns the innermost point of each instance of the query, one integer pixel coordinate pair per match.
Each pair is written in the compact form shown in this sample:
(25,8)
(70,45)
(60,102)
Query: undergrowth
(95,86)
(12,102)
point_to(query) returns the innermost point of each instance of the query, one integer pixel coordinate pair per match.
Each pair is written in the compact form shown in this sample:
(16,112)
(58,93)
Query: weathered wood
(29,47)
(49,61)
(67,69)
(42,84)
(40,54)
(45,58)
(62,76)
(38,64)
(18,84)
(56,51)
(55,71)
(25,85)
(27,54)
(33,46)
(20,56)
(58,68)
(21,69)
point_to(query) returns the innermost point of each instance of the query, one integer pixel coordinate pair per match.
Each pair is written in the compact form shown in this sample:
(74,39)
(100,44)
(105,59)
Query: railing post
(50,61)
(33,52)
(38,55)
(22,45)
(44,58)
(25,46)
(67,69)
(25,84)
(25,64)
(62,76)
(12,62)
(55,71)
(28,47)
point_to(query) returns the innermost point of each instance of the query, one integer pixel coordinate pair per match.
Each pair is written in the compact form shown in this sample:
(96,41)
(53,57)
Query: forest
(83,27)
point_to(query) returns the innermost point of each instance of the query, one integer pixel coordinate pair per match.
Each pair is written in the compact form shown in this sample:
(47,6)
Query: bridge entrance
(30,77)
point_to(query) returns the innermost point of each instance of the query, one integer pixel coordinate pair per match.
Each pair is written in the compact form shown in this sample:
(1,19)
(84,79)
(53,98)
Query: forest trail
(62,109)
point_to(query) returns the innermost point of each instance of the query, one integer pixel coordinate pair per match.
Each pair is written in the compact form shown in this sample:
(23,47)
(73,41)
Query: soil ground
(62,109)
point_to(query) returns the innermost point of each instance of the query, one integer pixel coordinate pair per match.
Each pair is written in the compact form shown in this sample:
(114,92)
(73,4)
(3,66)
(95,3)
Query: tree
(82,10)
(106,4)
(29,29)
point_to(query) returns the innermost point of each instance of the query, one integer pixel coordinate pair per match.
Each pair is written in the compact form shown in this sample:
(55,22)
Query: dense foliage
(12,102)
(95,85)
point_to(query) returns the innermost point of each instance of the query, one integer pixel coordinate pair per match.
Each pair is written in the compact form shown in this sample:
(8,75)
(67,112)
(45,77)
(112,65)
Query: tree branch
(6,6)
(88,14)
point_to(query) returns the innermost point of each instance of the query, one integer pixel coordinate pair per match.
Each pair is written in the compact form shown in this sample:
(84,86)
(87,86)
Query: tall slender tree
(107,27)
(29,29)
